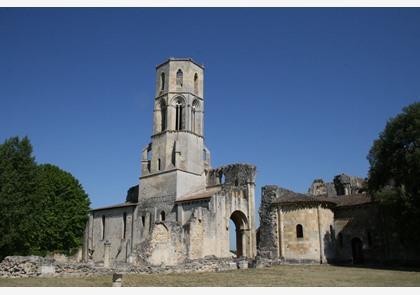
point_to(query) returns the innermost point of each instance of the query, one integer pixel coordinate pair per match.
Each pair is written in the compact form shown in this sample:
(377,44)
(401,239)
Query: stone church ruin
(182,206)
(178,217)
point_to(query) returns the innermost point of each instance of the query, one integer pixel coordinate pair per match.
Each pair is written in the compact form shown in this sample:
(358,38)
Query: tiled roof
(288,197)
(352,200)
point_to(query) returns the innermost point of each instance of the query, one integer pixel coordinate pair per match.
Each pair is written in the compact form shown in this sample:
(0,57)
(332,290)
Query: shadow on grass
(409,268)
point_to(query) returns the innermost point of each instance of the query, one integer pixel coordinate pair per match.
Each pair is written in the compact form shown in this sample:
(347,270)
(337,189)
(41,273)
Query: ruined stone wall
(114,224)
(35,266)
(269,236)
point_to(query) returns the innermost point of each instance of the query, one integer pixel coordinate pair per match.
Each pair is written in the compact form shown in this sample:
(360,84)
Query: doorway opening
(238,233)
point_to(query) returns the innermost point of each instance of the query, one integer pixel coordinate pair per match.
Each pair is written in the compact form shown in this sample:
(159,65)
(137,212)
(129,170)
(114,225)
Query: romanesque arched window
(299,231)
(194,119)
(163,115)
(196,83)
(179,114)
(162,81)
(162,216)
(179,78)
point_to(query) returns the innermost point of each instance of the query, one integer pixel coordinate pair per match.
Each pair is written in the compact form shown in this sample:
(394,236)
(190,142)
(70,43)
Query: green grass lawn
(282,275)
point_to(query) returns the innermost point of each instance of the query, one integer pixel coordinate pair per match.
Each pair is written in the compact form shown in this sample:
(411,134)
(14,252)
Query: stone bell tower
(173,163)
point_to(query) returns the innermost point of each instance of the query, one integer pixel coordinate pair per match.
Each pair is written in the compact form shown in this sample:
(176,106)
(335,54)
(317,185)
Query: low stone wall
(35,266)
(198,265)
(24,266)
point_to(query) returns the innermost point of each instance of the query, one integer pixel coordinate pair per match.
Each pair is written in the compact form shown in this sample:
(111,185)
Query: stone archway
(242,233)
(357,250)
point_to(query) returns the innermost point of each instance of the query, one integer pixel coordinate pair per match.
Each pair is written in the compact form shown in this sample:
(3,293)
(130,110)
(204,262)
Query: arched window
(179,114)
(162,81)
(196,83)
(159,164)
(221,178)
(163,112)
(103,227)
(162,216)
(299,231)
(179,78)
(194,109)
(124,225)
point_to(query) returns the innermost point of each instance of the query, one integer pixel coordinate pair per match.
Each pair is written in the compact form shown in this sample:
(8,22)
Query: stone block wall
(113,233)
(279,222)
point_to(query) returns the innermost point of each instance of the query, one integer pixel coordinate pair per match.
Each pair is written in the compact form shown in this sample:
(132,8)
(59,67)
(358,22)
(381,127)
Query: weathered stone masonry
(181,208)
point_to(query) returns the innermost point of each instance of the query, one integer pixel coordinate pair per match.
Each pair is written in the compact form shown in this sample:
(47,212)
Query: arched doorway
(357,250)
(241,231)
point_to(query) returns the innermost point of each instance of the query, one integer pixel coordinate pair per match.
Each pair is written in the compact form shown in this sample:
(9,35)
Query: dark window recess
(299,231)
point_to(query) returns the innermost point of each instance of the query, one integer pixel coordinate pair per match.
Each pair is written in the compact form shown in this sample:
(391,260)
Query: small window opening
(163,115)
(236,182)
(158,164)
(332,232)
(124,224)
(299,231)
(221,178)
(143,220)
(149,159)
(103,227)
(196,83)
(179,78)
(162,216)
(162,81)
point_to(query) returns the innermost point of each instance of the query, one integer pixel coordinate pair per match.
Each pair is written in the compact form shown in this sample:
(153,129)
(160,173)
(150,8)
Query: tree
(19,202)
(394,175)
(65,209)
(42,208)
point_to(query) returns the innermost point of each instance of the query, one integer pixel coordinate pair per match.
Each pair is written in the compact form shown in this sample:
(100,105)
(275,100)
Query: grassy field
(282,275)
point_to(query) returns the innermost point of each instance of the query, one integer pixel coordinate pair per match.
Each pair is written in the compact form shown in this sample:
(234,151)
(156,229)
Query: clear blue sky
(300,93)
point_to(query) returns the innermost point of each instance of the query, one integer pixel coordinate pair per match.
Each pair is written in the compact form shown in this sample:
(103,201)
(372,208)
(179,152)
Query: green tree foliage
(394,175)
(65,209)
(42,208)
(19,202)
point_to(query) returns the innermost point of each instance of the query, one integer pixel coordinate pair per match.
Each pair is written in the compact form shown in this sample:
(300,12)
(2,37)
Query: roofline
(180,59)
(192,200)
(304,202)
(114,206)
